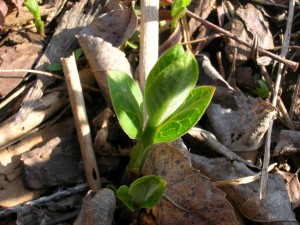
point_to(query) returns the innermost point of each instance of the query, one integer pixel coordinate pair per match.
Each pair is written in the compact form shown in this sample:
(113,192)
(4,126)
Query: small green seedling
(142,193)
(263,91)
(178,11)
(172,102)
(33,7)
(173,105)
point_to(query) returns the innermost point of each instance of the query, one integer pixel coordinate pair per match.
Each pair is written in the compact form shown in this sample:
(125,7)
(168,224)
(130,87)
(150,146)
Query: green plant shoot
(33,7)
(178,11)
(263,91)
(142,193)
(172,102)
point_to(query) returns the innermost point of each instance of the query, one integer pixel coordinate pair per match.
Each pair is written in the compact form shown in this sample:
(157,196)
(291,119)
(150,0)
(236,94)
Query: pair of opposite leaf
(172,102)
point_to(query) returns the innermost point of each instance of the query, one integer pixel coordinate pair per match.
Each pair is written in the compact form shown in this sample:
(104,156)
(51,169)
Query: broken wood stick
(81,122)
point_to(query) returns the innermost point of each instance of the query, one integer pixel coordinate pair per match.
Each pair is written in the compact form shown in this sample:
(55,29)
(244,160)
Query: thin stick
(81,122)
(45,74)
(56,196)
(264,174)
(291,64)
(148,41)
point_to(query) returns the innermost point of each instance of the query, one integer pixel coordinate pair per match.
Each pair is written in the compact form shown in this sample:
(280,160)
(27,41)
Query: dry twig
(264,175)
(81,122)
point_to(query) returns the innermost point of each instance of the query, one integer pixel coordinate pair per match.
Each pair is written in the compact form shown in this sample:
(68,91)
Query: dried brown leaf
(289,143)
(114,27)
(102,56)
(190,197)
(240,122)
(202,8)
(292,186)
(247,23)
(21,56)
(274,208)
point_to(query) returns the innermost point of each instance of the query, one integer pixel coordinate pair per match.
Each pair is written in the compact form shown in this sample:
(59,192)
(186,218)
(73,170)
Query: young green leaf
(178,10)
(123,195)
(78,52)
(127,101)
(169,84)
(167,58)
(186,116)
(54,67)
(143,192)
(264,90)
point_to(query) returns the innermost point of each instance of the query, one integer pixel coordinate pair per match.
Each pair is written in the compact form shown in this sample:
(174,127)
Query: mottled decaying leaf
(247,22)
(276,207)
(240,122)
(190,197)
(202,8)
(292,186)
(288,143)
(21,56)
(97,208)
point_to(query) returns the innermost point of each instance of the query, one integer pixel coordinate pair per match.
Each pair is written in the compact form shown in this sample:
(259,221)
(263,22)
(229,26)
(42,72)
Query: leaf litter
(237,118)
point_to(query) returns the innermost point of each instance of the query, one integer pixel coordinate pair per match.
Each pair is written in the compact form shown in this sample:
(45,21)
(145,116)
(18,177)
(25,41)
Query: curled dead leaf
(102,56)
